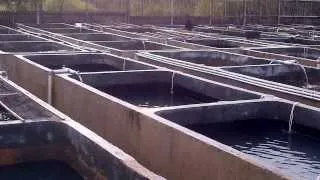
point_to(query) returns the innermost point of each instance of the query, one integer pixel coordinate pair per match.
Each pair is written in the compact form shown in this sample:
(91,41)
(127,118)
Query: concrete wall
(254,52)
(31,77)
(231,81)
(194,84)
(212,58)
(156,143)
(44,133)
(88,58)
(233,111)
(64,141)
(286,74)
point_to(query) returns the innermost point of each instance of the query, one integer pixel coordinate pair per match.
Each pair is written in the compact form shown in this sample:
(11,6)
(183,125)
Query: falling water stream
(172,83)
(124,64)
(292,117)
(144,45)
(305,75)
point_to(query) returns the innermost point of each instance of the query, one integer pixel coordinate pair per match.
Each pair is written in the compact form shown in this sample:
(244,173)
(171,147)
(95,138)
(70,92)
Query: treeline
(163,7)
(47,5)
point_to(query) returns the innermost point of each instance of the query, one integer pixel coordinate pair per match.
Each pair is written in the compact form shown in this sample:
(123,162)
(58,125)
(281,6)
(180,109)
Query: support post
(279,12)
(128,11)
(225,10)
(38,12)
(39,9)
(260,12)
(244,12)
(87,11)
(142,7)
(172,10)
(211,12)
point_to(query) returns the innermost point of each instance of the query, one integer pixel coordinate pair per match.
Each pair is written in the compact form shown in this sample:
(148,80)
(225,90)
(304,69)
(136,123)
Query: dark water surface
(86,67)
(153,95)
(297,154)
(42,170)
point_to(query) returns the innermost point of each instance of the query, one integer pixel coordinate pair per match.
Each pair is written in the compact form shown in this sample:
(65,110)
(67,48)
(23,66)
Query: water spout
(312,35)
(292,117)
(79,76)
(305,52)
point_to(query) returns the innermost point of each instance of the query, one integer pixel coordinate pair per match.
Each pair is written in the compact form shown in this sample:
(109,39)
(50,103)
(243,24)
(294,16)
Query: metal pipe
(64,70)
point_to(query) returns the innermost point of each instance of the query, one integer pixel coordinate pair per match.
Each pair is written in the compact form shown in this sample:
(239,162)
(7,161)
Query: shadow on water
(153,95)
(42,170)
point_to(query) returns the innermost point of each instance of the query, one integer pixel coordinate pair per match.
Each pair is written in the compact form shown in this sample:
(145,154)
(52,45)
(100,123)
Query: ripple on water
(297,154)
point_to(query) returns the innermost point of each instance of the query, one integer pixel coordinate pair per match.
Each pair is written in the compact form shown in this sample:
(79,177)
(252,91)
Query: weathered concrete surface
(283,73)
(156,143)
(88,62)
(276,109)
(71,143)
(18,37)
(267,55)
(34,77)
(215,58)
(300,52)
(201,86)
(34,46)
(44,133)
(97,37)
(31,77)
(222,44)
(233,82)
